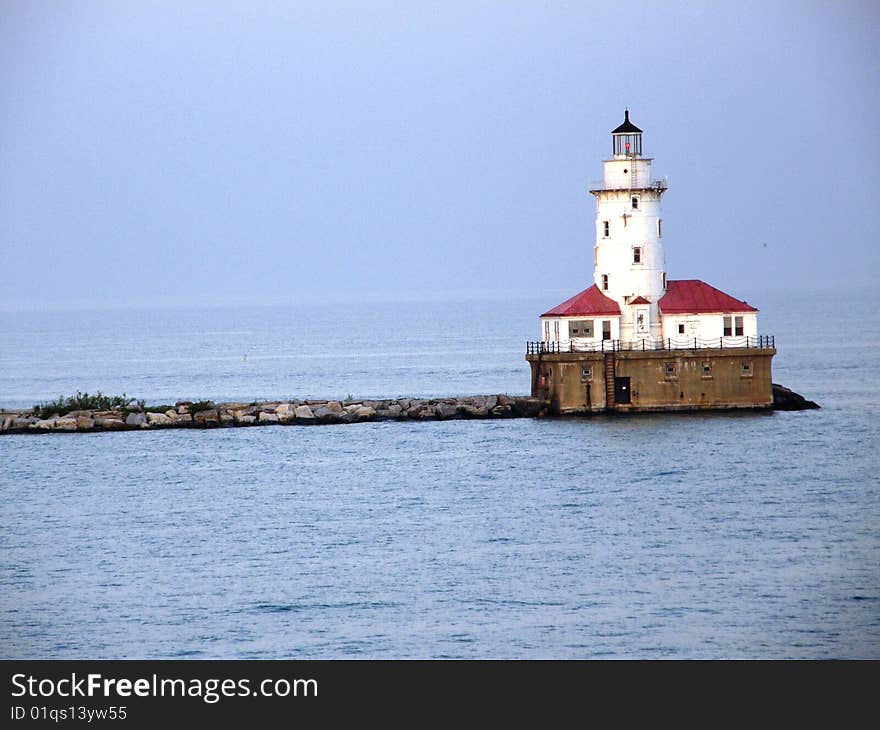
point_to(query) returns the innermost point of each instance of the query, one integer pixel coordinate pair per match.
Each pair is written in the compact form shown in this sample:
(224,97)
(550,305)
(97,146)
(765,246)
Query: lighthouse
(635,339)
(629,264)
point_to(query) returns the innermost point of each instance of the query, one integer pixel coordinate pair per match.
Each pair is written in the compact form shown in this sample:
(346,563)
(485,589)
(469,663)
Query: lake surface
(679,536)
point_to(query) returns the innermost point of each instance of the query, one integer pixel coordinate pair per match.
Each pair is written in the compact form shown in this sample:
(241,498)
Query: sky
(246,152)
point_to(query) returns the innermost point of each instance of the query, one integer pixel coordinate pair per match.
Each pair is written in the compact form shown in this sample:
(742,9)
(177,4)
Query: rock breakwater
(186,414)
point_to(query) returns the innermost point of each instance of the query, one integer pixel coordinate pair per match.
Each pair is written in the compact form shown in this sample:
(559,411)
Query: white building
(631,302)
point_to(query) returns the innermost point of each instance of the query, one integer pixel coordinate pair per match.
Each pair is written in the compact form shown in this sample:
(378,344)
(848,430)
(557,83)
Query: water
(680,536)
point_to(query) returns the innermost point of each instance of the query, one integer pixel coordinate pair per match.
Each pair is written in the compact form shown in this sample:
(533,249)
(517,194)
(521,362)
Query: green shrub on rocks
(84,402)
(200,405)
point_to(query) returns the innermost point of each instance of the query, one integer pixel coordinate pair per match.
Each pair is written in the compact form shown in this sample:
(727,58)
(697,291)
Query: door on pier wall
(621,390)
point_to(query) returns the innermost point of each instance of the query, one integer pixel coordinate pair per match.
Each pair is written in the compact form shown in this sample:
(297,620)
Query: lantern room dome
(627,127)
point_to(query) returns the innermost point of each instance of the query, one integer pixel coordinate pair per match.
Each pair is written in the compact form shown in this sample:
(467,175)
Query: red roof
(640,300)
(692,296)
(589,302)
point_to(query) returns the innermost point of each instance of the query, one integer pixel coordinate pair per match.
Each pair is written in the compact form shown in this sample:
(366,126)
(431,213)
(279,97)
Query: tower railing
(598,186)
(669,343)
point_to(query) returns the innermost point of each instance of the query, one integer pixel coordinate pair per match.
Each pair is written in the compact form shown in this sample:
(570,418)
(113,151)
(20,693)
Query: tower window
(635,202)
(738,328)
(605,282)
(606,329)
(728,326)
(659,228)
(606,228)
(663,280)
(637,254)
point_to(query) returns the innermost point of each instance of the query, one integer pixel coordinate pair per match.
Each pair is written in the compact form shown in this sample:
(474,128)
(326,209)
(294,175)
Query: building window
(546,331)
(663,280)
(581,327)
(746,369)
(606,329)
(604,282)
(659,228)
(669,369)
(637,254)
(595,256)
(606,228)
(556,330)
(707,369)
(681,328)
(635,202)
(586,373)
(733,326)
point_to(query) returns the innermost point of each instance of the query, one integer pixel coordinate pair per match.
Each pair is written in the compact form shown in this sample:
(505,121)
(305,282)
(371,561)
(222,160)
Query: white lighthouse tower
(629,261)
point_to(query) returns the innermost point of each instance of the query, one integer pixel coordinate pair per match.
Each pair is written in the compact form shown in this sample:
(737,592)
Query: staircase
(609,381)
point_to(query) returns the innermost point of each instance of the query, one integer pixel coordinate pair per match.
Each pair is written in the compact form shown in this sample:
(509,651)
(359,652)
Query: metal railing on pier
(669,343)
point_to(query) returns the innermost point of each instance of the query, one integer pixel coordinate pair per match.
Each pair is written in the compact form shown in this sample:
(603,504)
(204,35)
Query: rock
(304,414)
(785,399)
(327,415)
(226,417)
(172,414)
(504,411)
(44,424)
(491,402)
(135,419)
(108,414)
(208,417)
(184,418)
(7,423)
(269,418)
(528,407)
(352,407)
(247,420)
(158,419)
(65,424)
(335,406)
(109,423)
(393,410)
(472,411)
(84,423)
(445,410)
(365,413)
(285,409)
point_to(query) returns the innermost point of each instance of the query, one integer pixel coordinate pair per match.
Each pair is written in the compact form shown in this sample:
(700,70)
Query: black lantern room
(627,138)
